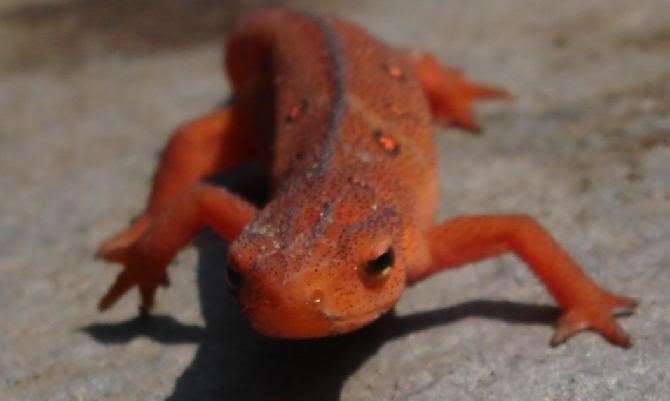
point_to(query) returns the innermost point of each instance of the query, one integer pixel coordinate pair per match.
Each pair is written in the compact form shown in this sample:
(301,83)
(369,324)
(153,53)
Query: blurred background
(90,90)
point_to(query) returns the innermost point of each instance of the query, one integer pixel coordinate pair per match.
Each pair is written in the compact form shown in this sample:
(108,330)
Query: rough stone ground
(90,89)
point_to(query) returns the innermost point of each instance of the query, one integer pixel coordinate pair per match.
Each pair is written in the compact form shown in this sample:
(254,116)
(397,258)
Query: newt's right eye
(375,271)
(233,277)
(382,264)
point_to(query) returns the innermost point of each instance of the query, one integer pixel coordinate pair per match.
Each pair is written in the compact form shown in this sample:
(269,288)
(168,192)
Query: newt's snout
(277,312)
(296,309)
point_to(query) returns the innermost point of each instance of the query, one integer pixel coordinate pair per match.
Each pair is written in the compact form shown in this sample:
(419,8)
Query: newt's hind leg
(450,95)
(211,144)
(585,305)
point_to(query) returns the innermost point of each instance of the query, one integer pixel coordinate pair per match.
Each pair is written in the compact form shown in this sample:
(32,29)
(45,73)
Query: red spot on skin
(394,71)
(296,111)
(387,143)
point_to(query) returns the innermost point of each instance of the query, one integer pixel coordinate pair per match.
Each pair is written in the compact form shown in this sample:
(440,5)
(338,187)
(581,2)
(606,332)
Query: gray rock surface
(90,90)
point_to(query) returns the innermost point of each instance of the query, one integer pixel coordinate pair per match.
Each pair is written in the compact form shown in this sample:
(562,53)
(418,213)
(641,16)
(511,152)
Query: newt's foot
(598,317)
(123,240)
(451,96)
(138,271)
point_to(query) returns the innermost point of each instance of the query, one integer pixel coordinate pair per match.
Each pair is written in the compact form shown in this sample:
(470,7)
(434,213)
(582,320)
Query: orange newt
(343,124)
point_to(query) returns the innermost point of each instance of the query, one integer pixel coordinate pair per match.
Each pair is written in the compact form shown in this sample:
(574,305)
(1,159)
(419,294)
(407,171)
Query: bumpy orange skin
(344,125)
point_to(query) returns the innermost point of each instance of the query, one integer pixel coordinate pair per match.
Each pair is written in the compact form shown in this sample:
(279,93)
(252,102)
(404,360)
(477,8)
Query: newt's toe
(623,306)
(139,271)
(122,285)
(112,246)
(125,281)
(454,104)
(598,318)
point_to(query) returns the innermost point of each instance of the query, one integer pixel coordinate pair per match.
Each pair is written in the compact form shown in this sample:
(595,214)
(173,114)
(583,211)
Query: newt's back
(333,98)
(352,166)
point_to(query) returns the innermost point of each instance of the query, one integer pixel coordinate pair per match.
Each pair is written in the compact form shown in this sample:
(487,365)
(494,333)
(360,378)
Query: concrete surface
(89,91)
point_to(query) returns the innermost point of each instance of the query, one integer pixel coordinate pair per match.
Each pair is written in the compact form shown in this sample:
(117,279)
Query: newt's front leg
(585,305)
(214,143)
(146,259)
(179,205)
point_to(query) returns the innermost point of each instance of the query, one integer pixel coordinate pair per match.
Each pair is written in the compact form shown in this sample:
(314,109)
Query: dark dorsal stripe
(335,54)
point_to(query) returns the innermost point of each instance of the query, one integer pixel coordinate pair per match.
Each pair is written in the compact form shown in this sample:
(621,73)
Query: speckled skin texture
(347,137)
(339,193)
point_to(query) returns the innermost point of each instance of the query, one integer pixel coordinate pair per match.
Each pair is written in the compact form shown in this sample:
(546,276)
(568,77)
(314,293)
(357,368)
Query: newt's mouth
(350,322)
(305,323)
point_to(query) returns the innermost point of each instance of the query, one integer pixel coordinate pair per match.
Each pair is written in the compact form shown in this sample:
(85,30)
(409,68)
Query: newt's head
(318,270)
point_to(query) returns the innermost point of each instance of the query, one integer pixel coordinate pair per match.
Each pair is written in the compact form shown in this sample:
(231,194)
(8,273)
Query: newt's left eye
(234,278)
(381,265)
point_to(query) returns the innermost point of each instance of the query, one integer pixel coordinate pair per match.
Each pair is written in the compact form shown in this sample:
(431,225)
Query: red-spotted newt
(344,125)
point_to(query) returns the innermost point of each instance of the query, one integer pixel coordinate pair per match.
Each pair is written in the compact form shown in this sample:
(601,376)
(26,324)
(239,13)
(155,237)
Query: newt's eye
(381,265)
